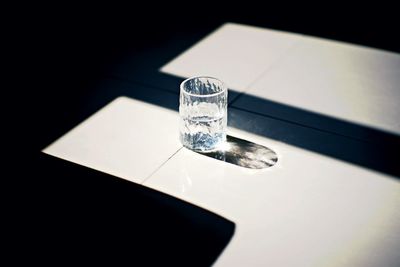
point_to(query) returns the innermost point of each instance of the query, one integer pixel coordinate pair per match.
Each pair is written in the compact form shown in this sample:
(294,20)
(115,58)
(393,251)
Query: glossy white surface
(127,138)
(308,210)
(236,54)
(353,83)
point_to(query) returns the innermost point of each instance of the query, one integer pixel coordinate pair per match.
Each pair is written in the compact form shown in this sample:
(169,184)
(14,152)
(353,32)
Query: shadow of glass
(244,153)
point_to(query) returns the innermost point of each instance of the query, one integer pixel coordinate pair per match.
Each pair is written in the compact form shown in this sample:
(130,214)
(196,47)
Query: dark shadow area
(314,120)
(378,157)
(244,153)
(76,215)
(143,68)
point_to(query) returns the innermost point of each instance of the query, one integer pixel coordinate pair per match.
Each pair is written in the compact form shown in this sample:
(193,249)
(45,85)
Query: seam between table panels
(159,167)
(266,70)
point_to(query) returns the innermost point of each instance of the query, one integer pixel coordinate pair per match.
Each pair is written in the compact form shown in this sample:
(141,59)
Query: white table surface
(118,137)
(307,210)
(352,83)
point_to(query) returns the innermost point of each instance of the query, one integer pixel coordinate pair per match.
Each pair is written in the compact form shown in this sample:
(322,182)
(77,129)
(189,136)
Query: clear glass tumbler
(203,113)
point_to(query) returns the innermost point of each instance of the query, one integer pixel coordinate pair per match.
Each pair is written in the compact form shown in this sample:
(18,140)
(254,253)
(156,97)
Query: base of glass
(203,142)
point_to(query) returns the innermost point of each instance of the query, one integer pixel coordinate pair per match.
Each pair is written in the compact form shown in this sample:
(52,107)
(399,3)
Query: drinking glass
(203,113)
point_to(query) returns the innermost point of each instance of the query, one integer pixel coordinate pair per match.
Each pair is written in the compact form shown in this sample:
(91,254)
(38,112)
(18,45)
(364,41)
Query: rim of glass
(198,95)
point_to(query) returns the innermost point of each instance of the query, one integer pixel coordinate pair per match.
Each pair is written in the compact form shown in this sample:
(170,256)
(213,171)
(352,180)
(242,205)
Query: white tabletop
(352,83)
(307,210)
